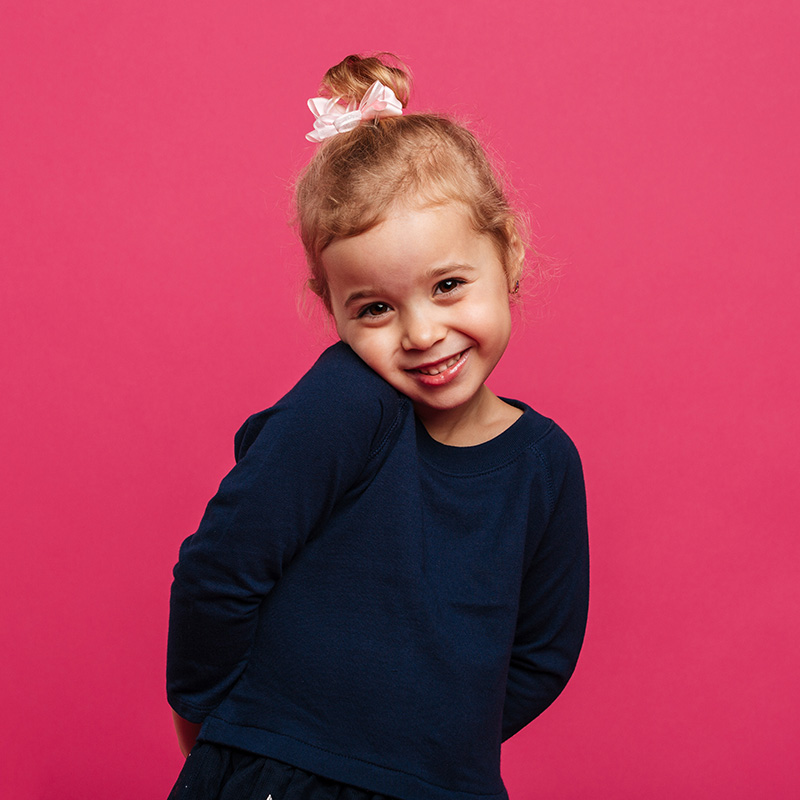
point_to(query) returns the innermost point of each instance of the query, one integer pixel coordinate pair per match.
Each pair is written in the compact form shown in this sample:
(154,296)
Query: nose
(422,329)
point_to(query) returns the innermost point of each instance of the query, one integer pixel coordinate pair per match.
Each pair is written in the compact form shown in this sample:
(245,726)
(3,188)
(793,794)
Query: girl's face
(423,300)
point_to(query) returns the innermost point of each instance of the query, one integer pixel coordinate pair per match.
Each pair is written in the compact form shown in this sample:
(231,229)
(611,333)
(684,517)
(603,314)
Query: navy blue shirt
(368,604)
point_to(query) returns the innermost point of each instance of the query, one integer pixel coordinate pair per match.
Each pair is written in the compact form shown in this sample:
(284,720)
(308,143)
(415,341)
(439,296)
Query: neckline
(478,457)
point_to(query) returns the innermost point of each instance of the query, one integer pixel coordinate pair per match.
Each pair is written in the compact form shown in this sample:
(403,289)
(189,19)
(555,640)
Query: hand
(187,732)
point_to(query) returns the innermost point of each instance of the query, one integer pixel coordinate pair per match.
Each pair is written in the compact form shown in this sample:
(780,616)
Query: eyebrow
(437,272)
(352,298)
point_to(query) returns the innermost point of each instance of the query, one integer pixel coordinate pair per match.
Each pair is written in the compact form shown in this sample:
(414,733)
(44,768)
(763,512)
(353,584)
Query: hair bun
(351,78)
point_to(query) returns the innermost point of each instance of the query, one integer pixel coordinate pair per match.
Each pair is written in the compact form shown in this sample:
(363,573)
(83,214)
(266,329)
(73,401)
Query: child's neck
(480,420)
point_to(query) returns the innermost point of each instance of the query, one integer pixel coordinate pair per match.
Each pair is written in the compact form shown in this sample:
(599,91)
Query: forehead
(410,239)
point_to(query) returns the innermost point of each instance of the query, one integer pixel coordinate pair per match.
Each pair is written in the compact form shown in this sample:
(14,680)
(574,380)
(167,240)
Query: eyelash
(456,284)
(364,312)
(456,281)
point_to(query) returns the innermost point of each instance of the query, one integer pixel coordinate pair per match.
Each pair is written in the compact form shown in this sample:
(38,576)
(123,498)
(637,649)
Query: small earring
(516,288)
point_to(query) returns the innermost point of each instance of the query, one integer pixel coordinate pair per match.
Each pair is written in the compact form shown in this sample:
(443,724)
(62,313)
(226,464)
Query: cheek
(349,330)
(492,318)
(372,345)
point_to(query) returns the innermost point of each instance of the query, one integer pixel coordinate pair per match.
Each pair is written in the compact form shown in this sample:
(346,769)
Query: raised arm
(294,461)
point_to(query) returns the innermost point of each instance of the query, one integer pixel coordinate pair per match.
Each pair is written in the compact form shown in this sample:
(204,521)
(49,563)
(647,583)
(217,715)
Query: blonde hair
(356,178)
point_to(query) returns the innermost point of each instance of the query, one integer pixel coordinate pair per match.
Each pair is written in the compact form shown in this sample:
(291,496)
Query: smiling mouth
(441,366)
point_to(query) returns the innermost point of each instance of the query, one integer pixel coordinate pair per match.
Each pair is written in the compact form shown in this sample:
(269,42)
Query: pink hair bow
(332,117)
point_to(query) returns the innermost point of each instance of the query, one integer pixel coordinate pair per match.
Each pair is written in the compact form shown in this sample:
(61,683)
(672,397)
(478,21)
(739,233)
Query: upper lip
(429,364)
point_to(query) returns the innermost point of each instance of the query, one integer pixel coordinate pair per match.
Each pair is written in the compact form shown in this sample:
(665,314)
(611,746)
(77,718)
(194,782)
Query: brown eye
(448,285)
(373,310)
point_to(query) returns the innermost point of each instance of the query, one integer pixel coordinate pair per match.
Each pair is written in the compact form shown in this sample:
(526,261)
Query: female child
(393,578)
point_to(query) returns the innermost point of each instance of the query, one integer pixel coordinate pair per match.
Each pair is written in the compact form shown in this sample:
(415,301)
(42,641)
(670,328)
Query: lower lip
(447,375)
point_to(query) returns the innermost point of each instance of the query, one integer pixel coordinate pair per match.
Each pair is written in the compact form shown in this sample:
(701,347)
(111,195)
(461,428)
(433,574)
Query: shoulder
(553,449)
(552,440)
(542,434)
(340,396)
(557,494)
(339,374)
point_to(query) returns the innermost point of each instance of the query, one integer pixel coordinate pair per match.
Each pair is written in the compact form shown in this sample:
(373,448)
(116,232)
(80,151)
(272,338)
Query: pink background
(148,302)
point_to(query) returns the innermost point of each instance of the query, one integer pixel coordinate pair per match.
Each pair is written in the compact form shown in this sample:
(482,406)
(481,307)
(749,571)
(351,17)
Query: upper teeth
(437,368)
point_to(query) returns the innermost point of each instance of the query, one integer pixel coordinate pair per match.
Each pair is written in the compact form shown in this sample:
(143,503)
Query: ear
(514,252)
(514,265)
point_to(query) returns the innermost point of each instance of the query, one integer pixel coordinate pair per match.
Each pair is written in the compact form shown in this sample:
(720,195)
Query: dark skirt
(216,772)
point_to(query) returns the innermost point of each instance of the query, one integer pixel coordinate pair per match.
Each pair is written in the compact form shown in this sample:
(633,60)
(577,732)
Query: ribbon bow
(332,117)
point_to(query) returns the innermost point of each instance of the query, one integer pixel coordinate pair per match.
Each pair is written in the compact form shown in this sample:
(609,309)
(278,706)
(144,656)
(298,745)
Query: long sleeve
(293,463)
(554,599)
